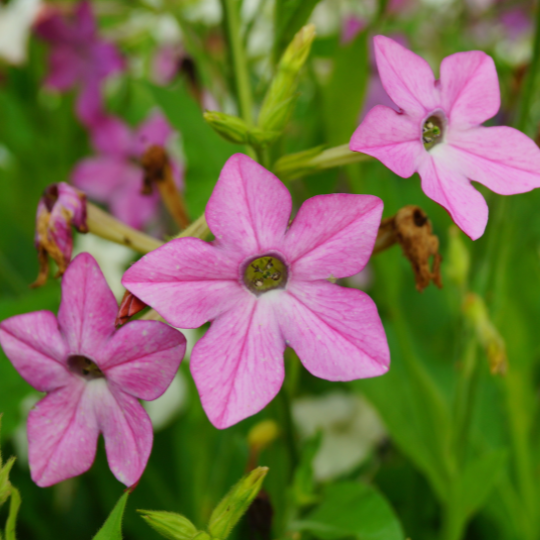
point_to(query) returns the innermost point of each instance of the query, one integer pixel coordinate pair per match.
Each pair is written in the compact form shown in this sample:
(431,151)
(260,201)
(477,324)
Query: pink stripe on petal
(391,137)
(88,309)
(333,235)
(249,209)
(447,186)
(143,357)
(187,281)
(406,77)
(336,332)
(469,88)
(502,158)
(62,434)
(238,365)
(127,431)
(36,349)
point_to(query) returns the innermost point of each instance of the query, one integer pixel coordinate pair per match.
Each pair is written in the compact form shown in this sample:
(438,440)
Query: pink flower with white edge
(93,376)
(115,176)
(264,285)
(438,134)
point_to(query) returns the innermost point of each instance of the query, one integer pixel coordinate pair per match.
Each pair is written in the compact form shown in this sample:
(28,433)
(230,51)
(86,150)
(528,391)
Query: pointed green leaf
(112,528)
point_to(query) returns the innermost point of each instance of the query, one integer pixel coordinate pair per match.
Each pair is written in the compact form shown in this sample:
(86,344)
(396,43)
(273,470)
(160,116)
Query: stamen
(265,274)
(432,131)
(84,367)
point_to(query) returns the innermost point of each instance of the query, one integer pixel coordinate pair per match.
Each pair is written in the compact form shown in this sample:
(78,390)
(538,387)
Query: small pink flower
(93,376)
(264,286)
(79,57)
(115,176)
(438,132)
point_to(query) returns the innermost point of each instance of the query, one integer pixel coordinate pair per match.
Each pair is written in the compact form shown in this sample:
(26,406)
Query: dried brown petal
(411,228)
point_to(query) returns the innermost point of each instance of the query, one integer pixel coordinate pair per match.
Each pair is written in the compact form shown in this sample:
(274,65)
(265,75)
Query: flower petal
(100,176)
(406,77)
(447,186)
(187,281)
(36,349)
(238,365)
(250,208)
(142,358)
(469,88)
(502,158)
(111,136)
(63,68)
(88,309)
(62,434)
(336,332)
(154,131)
(333,235)
(391,137)
(127,431)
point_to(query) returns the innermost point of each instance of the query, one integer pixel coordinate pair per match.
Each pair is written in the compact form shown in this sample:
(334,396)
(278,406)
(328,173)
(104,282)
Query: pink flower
(115,176)
(438,132)
(264,286)
(79,57)
(93,376)
(60,207)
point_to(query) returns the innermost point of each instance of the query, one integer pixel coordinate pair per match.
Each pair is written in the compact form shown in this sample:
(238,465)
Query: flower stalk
(317,159)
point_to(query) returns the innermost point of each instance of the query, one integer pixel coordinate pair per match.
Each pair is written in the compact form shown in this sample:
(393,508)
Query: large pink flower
(264,286)
(115,176)
(93,376)
(438,132)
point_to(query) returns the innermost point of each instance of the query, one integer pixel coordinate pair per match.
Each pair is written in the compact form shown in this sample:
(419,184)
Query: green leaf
(206,152)
(478,479)
(112,528)
(289,17)
(351,509)
(344,93)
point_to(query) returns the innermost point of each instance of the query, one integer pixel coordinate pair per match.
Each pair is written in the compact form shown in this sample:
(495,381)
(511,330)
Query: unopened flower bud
(233,506)
(459,259)
(261,435)
(235,130)
(280,98)
(60,207)
(476,312)
(172,526)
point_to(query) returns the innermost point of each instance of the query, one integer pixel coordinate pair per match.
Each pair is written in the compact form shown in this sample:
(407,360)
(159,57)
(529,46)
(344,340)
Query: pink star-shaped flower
(79,57)
(93,376)
(115,176)
(264,285)
(438,132)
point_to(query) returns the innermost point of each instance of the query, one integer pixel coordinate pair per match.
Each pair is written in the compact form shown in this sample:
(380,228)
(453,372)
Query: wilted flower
(93,376)
(16,20)
(264,286)
(60,207)
(115,176)
(79,57)
(438,133)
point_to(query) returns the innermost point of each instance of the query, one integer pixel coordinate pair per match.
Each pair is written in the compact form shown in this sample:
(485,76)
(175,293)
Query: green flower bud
(458,264)
(233,506)
(280,98)
(476,313)
(170,525)
(235,130)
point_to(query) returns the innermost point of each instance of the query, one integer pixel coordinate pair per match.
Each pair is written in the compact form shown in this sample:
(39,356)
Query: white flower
(16,19)
(350,428)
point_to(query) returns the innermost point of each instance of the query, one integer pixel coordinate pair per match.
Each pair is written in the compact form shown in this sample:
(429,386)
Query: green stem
(286,422)
(528,89)
(465,398)
(241,74)
(14,505)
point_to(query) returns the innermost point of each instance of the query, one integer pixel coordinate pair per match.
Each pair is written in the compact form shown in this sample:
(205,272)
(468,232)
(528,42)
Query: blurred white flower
(350,427)
(112,258)
(16,19)
(204,11)
(166,407)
